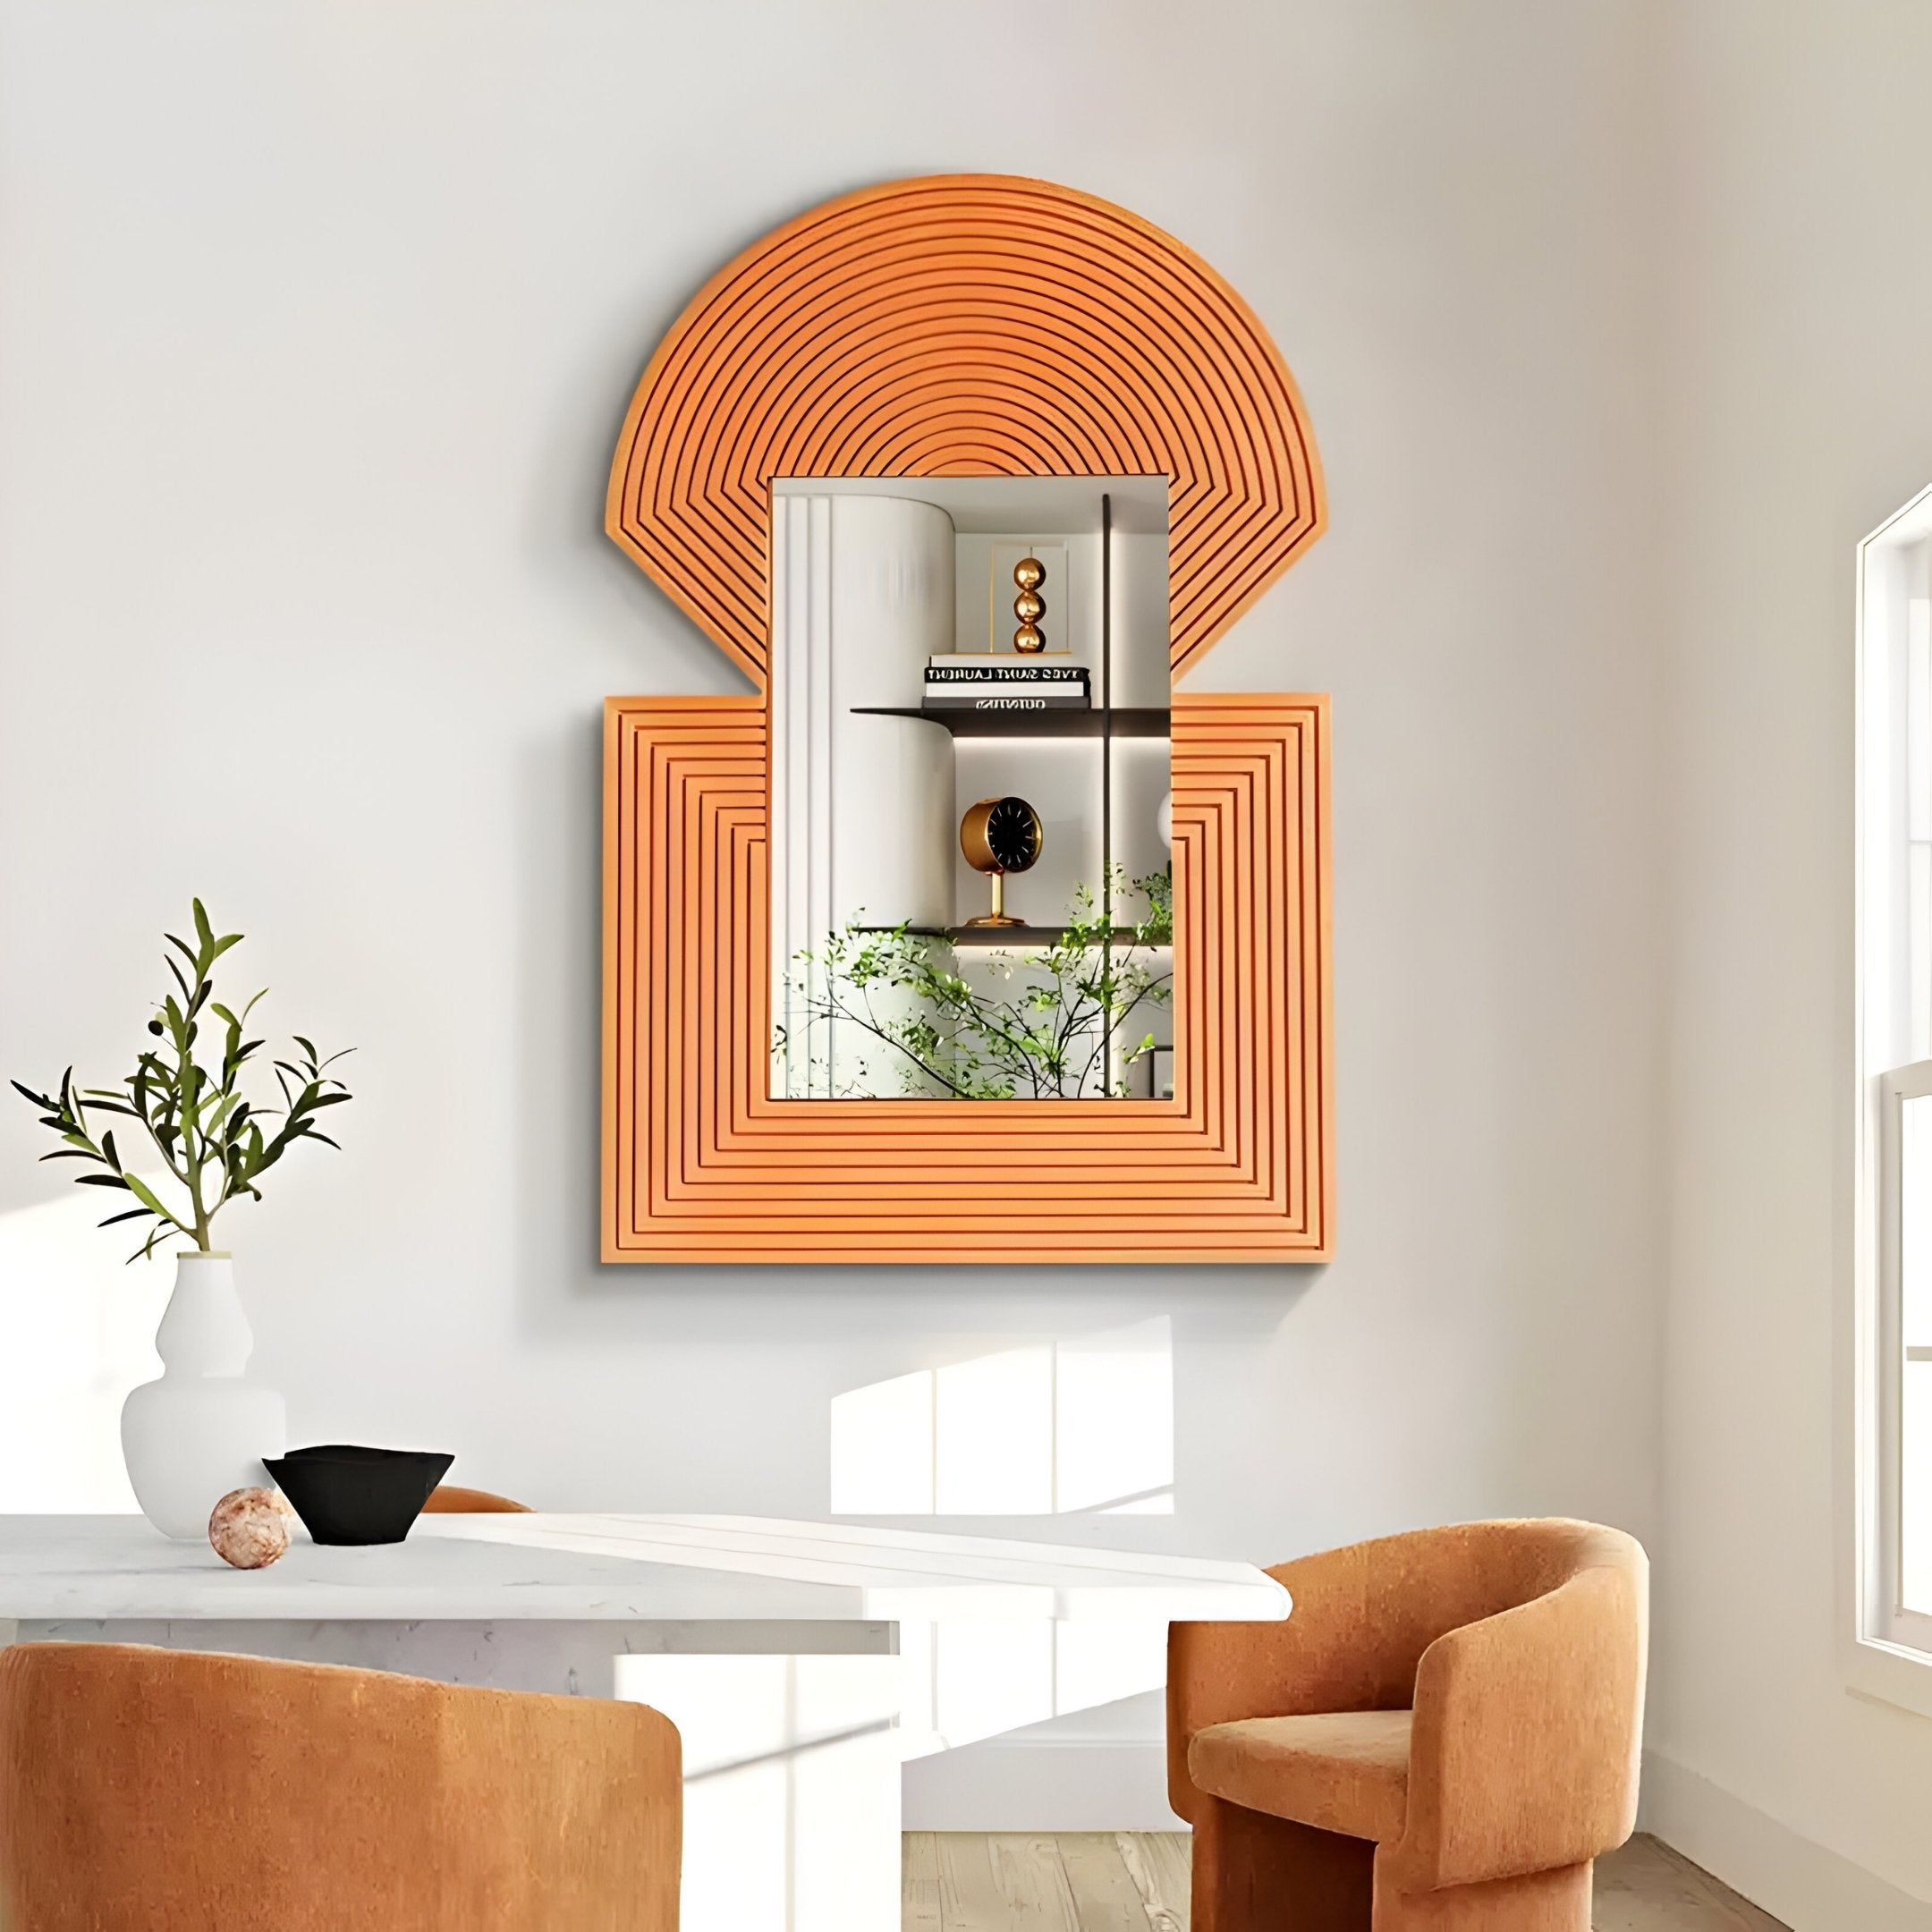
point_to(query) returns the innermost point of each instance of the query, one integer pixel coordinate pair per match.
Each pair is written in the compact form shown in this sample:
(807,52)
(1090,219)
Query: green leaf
(145,1195)
(161,1231)
(127,1214)
(108,1101)
(105,1180)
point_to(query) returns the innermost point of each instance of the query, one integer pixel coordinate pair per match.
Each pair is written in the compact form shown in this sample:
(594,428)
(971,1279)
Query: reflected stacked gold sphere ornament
(1029,607)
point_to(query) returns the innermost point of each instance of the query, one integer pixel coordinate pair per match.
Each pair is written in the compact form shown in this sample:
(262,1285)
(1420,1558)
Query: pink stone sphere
(249,1527)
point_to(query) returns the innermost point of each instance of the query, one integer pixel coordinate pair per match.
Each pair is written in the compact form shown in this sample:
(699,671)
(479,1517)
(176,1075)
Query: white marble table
(801,1662)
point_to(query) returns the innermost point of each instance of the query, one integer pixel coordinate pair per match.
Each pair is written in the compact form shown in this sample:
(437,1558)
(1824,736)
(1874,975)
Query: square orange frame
(701,1165)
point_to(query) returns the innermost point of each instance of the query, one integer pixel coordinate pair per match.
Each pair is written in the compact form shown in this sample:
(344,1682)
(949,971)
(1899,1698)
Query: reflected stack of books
(985,680)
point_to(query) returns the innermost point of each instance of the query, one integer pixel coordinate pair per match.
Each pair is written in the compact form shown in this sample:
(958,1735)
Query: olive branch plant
(209,1134)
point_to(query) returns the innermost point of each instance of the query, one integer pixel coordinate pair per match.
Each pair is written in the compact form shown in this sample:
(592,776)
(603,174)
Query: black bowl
(347,1494)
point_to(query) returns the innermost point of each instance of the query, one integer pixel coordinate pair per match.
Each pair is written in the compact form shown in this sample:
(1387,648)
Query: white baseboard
(1811,1888)
(1040,1784)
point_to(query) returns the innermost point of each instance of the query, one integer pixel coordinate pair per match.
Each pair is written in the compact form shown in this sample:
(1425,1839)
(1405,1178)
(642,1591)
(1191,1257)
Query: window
(1890,1563)
(1909,1354)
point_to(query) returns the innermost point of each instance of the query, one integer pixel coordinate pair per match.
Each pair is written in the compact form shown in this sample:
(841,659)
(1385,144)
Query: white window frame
(1885,1651)
(1907,1630)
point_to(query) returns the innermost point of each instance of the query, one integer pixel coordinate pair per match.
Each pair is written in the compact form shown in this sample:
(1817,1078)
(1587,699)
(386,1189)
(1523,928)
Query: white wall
(1800,413)
(316,328)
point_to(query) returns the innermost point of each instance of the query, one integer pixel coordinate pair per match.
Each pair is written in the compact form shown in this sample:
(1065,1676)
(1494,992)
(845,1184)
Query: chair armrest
(1528,1724)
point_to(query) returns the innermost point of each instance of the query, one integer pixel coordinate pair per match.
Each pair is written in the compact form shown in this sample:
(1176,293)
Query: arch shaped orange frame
(967,324)
(964,326)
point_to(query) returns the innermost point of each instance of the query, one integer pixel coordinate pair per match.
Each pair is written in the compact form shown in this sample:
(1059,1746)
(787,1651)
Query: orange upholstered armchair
(447,1499)
(159,1791)
(1441,1738)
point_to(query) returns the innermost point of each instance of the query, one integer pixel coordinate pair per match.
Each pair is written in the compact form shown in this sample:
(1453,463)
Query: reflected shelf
(1063,722)
(1013,935)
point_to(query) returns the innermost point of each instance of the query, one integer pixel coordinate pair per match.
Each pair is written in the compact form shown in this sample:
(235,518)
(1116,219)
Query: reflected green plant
(1050,1034)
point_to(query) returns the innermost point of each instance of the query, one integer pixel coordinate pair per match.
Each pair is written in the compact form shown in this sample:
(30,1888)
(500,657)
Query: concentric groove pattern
(963,325)
(700,1165)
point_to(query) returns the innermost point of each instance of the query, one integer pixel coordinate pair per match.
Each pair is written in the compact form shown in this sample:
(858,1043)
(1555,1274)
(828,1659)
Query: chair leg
(1255,1873)
(1555,1901)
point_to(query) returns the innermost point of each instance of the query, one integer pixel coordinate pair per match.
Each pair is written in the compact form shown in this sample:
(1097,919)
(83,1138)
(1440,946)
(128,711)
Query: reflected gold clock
(1000,835)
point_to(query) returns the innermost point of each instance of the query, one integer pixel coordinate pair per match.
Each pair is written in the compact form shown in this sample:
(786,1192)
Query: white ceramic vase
(203,1428)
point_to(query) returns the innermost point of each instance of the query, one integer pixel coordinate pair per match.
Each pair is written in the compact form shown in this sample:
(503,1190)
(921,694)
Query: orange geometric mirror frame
(964,326)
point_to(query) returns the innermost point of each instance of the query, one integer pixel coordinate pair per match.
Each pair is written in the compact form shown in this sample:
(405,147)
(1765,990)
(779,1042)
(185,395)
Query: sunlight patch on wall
(787,1761)
(1082,1424)
(967,1681)
(1078,1424)
(79,1328)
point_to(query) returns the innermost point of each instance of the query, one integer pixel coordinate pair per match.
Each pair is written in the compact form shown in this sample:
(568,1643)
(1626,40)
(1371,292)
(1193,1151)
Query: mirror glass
(970,781)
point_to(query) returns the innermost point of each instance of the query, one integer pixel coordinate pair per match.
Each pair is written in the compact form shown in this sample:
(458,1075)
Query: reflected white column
(861,828)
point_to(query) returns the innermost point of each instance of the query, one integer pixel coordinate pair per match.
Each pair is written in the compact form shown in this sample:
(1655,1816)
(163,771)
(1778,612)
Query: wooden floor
(1138,1882)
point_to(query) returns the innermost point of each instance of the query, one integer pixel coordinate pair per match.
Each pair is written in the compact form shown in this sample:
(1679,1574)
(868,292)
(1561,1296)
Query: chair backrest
(176,1791)
(447,1499)
(1402,1592)
(1529,1717)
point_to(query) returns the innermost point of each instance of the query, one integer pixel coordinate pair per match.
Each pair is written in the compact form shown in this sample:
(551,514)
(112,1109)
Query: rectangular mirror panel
(970,775)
